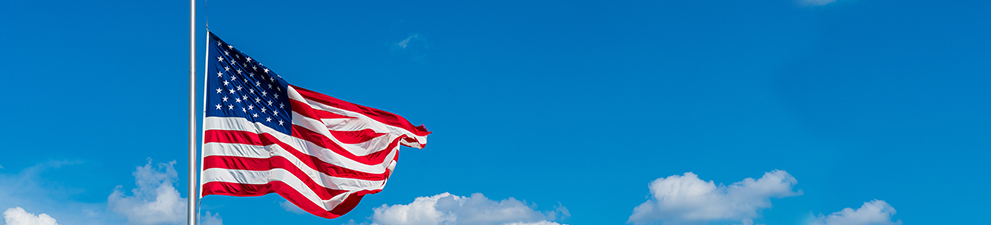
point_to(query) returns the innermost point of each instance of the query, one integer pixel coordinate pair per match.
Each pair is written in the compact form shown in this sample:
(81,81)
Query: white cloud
(34,188)
(537,223)
(288,206)
(450,209)
(415,46)
(31,188)
(405,42)
(155,200)
(17,216)
(875,212)
(815,2)
(688,199)
(209,219)
(352,222)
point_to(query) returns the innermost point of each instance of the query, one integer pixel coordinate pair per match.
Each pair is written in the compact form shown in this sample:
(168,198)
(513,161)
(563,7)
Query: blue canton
(239,86)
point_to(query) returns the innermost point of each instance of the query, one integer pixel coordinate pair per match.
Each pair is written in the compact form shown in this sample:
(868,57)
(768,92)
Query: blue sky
(576,112)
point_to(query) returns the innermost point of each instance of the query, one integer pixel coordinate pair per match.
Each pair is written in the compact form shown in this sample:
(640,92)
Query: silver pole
(191,200)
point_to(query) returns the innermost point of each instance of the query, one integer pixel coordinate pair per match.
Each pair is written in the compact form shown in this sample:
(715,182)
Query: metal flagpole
(191,200)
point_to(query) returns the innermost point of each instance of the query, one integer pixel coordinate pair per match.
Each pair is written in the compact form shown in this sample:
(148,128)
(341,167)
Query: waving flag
(262,135)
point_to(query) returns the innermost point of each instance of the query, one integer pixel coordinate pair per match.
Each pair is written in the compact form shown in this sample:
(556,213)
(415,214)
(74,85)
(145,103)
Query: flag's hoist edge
(262,135)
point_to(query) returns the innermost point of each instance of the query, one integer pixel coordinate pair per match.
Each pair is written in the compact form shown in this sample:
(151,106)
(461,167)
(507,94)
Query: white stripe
(264,177)
(262,152)
(364,122)
(361,149)
(347,124)
(304,146)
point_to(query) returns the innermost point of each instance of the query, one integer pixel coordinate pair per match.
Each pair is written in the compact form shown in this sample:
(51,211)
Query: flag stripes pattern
(262,135)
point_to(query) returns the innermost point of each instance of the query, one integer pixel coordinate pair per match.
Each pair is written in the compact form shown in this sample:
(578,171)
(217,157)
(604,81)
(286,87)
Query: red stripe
(303,109)
(330,115)
(376,114)
(287,192)
(350,137)
(250,138)
(374,158)
(233,163)
(354,137)
(256,164)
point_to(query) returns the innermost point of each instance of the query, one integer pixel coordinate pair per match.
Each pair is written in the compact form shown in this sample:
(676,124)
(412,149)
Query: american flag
(262,135)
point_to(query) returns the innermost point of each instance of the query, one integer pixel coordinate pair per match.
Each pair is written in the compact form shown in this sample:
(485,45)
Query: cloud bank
(448,209)
(17,216)
(210,219)
(34,189)
(688,199)
(875,212)
(155,200)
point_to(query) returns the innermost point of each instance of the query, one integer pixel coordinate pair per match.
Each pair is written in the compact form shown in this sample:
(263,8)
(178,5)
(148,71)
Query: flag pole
(191,200)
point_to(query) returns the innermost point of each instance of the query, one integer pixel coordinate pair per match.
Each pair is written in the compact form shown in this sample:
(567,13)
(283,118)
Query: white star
(230,47)
(245,97)
(225,98)
(238,71)
(227,53)
(281,105)
(278,88)
(251,74)
(276,95)
(238,56)
(218,106)
(225,83)
(250,107)
(230,107)
(264,93)
(269,86)
(275,113)
(251,90)
(220,74)
(268,119)
(231,91)
(257,100)
(271,79)
(280,122)
(220,59)
(218,90)
(258,83)
(239,87)
(242,110)
(238,100)
(256,115)
(254,67)
(269,102)
(249,59)
(227,68)
(263,109)
(246,80)
(218,43)
(266,70)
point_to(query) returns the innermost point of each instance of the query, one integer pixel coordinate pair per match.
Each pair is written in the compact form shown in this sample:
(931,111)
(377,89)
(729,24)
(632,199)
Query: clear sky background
(566,110)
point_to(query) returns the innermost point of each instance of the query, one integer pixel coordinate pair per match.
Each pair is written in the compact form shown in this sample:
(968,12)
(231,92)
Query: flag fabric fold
(263,135)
